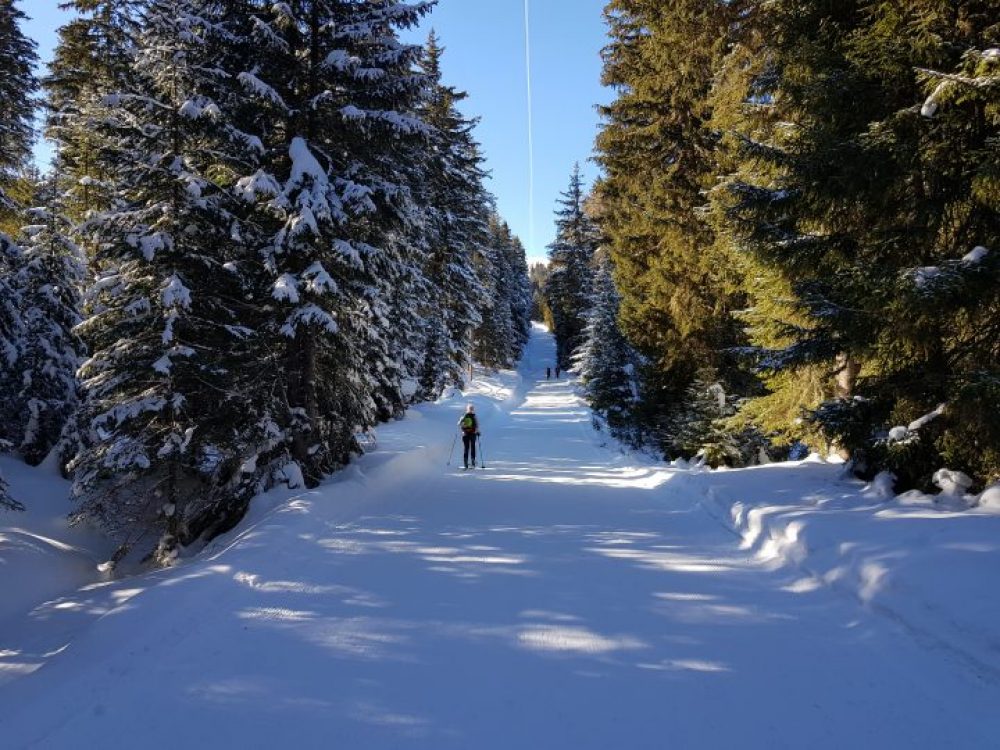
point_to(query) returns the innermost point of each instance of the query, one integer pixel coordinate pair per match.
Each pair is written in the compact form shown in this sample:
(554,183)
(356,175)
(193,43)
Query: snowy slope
(935,572)
(41,557)
(566,597)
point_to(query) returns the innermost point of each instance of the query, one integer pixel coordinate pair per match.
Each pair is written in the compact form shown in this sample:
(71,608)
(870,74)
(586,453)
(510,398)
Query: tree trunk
(847,376)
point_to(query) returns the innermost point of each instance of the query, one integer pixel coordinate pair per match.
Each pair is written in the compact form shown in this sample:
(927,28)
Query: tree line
(265,231)
(799,209)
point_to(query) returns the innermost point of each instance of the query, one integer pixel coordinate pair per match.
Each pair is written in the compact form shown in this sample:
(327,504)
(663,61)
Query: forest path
(565,597)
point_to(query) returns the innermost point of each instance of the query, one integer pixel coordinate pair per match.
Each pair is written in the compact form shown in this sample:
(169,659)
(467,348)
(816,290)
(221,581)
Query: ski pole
(482,458)
(452,453)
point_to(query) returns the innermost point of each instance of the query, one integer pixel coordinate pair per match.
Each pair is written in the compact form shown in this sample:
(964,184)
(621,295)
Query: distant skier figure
(557,372)
(548,373)
(470,432)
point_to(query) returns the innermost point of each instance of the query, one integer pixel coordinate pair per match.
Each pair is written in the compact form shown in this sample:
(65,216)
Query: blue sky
(485,57)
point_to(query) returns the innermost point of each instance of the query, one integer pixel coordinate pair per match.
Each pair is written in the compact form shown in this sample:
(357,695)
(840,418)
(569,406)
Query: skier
(470,433)
(557,372)
(548,373)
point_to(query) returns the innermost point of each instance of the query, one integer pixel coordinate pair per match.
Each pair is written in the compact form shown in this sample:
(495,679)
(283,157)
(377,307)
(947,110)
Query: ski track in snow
(566,597)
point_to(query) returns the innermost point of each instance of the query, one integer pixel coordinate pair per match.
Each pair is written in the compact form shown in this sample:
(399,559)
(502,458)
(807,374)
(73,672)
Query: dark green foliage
(336,113)
(540,311)
(869,213)
(848,154)
(679,285)
(17,92)
(12,332)
(698,428)
(93,58)
(704,426)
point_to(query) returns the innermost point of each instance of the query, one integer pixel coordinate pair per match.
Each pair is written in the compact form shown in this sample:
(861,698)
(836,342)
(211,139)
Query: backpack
(468,424)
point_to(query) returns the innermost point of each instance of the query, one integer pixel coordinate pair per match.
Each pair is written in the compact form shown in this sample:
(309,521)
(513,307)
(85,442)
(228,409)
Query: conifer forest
(800,209)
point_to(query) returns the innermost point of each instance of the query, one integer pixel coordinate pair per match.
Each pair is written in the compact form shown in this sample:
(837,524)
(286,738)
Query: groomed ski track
(565,597)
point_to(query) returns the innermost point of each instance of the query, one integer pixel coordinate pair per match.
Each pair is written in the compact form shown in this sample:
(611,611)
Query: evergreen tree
(792,63)
(868,215)
(172,418)
(493,337)
(936,235)
(680,284)
(500,339)
(705,426)
(17,92)
(743,114)
(11,343)
(570,283)
(12,328)
(540,311)
(457,207)
(17,89)
(92,59)
(699,428)
(336,98)
(519,296)
(50,279)
(606,363)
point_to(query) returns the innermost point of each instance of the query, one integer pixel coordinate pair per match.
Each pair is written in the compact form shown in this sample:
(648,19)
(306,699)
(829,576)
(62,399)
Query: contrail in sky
(531,128)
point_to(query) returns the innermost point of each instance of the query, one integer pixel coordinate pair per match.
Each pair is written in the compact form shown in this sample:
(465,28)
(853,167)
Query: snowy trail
(566,597)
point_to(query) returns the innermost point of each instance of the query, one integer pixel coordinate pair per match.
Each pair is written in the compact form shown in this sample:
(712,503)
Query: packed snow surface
(567,596)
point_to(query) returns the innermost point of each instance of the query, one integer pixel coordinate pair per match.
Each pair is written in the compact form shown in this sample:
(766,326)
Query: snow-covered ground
(40,557)
(568,596)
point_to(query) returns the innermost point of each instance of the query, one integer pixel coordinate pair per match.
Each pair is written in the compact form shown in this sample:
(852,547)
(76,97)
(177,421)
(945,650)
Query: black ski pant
(469,443)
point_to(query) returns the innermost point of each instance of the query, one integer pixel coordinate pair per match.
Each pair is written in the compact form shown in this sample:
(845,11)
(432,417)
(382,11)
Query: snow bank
(953,483)
(989,500)
(41,557)
(927,562)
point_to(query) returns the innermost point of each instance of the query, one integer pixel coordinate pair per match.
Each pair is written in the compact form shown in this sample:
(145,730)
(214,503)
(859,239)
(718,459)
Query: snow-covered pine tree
(458,208)
(17,92)
(50,278)
(502,269)
(606,362)
(174,415)
(12,334)
(7,501)
(337,95)
(698,428)
(570,282)
(490,339)
(391,142)
(518,296)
